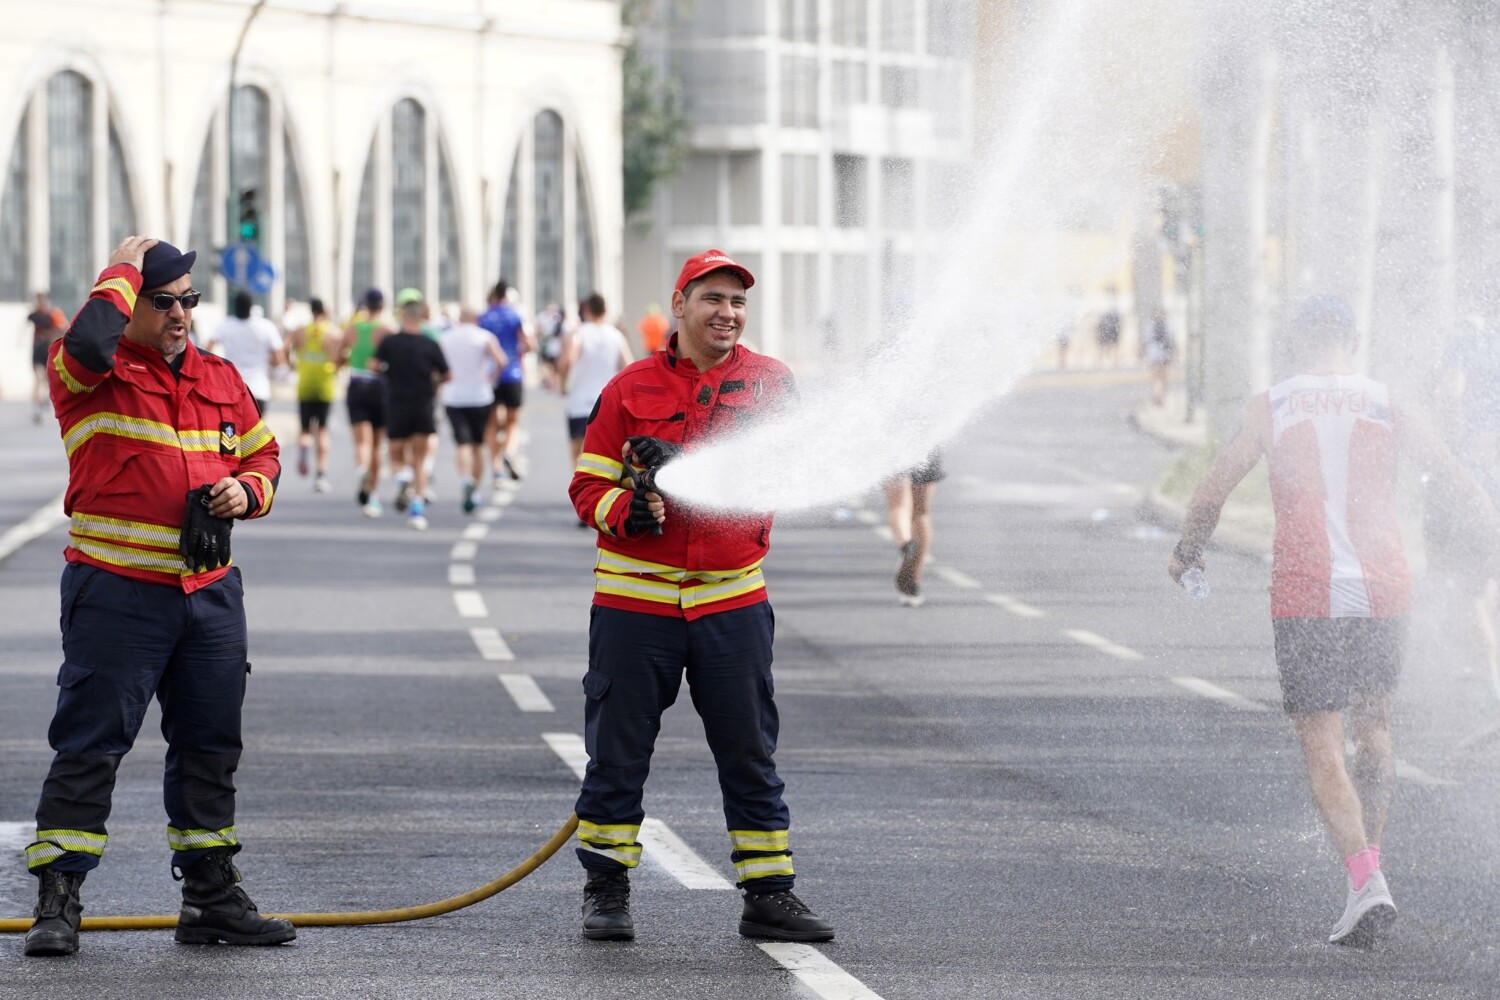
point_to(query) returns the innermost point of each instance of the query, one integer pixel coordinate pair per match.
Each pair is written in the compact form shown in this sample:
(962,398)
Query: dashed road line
(502,498)
(1103,645)
(1224,696)
(461,574)
(864,516)
(817,971)
(490,515)
(1417,776)
(1015,607)
(884,532)
(464,551)
(46,517)
(470,604)
(491,645)
(476,532)
(523,690)
(661,844)
(957,577)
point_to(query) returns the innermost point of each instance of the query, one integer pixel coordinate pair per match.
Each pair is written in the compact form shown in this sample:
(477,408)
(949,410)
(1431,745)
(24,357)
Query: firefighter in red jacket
(165,448)
(687,600)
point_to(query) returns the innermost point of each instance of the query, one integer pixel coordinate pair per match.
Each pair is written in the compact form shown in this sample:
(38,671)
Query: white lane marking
(1417,776)
(956,577)
(680,860)
(817,971)
(663,846)
(476,532)
(1102,644)
(491,646)
(460,575)
(867,516)
(464,551)
(1208,689)
(470,604)
(490,515)
(1014,606)
(502,498)
(41,521)
(569,747)
(523,690)
(884,532)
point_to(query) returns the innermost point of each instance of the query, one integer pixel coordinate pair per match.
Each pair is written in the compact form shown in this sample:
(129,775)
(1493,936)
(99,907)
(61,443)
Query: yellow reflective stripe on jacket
(119,425)
(759,840)
(257,438)
(613,562)
(601,466)
(117,555)
(119,285)
(620,833)
(199,440)
(707,593)
(268,490)
(638,587)
(776,864)
(116,529)
(601,509)
(196,840)
(67,377)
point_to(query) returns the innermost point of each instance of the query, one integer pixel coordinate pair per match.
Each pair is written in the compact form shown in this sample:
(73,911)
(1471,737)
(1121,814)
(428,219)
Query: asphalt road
(1058,779)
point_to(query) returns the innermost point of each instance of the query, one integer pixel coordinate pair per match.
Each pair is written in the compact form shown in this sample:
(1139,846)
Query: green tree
(651,117)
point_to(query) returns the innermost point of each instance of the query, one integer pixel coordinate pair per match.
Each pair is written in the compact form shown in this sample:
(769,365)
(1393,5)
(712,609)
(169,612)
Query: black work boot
(215,908)
(606,907)
(58,913)
(781,915)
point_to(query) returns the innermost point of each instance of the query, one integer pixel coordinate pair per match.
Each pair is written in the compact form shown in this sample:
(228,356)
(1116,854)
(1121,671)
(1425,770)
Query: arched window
(406,231)
(267,173)
(66,166)
(547,186)
(551,251)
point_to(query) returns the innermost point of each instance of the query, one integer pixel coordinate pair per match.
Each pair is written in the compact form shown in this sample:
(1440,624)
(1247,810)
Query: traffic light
(249,217)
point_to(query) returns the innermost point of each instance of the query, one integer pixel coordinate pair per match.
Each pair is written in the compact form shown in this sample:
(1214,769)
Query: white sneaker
(418,522)
(373,507)
(322,485)
(1368,914)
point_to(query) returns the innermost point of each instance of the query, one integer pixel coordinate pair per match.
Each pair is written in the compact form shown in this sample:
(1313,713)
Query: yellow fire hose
(442,906)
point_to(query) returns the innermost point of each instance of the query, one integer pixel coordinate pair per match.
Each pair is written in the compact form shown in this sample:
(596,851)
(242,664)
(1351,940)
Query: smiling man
(165,447)
(682,595)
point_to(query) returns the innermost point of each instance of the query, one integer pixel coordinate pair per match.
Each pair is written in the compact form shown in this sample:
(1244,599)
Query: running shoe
(912,600)
(1368,914)
(373,507)
(906,570)
(403,495)
(469,503)
(321,484)
(416,518)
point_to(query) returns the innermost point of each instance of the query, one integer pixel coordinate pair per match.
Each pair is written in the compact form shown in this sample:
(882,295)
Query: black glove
(204,542)
(640,520)
(653,452)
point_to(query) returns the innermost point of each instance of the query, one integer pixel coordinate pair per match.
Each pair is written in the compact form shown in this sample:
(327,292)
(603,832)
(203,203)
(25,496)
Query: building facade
(440,146)
(827,136)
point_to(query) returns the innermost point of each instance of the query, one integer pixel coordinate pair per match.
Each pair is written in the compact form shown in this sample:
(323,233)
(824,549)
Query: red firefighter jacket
(701,563)
(139,438)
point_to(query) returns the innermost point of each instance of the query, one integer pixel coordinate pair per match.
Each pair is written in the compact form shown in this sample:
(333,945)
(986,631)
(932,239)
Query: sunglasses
(163,301)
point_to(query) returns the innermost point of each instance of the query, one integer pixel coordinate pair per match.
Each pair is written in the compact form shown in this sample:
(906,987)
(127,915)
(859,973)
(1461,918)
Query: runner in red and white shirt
(1340,589)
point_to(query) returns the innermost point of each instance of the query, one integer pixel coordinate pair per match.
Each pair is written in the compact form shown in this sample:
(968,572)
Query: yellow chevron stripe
(119,285)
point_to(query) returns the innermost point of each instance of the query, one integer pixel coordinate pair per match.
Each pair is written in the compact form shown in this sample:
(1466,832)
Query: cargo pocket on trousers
(73,674)
(596,685)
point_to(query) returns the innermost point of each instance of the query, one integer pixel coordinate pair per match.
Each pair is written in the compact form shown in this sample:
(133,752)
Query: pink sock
(1361,866)
(1375,850)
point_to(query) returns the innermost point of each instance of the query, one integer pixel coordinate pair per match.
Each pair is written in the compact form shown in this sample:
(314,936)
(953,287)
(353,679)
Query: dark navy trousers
(636,666)
(125,642)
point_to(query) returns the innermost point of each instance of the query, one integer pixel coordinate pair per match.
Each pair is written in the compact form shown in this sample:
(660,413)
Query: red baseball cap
(712,260)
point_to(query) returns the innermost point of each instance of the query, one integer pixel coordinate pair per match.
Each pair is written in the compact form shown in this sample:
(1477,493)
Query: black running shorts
(577,427)
(366,402)
(469,422)
(508,395)
(1326,664)
(312,411)
(406,418)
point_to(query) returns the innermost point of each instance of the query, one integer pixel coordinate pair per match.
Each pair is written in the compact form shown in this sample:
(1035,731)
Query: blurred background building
(439,146)
(826,139)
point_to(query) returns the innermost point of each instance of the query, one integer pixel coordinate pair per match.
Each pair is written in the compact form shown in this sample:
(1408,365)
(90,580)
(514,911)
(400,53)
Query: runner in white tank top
(593,354)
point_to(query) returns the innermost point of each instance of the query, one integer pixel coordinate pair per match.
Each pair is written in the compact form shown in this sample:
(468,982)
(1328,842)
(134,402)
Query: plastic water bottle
(1194,584)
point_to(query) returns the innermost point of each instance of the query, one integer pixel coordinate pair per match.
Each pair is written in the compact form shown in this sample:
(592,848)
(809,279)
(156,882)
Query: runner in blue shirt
(505,323)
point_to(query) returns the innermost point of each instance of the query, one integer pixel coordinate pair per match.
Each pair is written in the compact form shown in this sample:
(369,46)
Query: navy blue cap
(1327,311)
(165,264)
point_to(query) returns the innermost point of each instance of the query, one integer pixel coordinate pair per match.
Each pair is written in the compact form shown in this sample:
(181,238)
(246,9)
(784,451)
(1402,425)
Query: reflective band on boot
(197,840)
(617,842)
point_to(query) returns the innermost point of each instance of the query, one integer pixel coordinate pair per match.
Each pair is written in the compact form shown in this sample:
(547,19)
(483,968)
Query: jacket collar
(689,370)
(192,363)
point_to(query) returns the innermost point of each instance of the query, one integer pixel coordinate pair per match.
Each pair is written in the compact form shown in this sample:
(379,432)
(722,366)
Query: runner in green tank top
(366,395)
